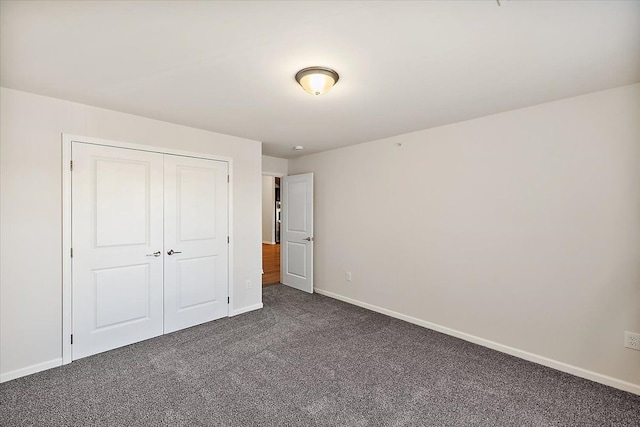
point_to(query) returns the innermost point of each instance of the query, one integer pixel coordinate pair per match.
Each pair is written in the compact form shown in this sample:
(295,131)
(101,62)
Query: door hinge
(71,338)
(228,179)
(228,241)
(71,252)
(228,300)
(71,165)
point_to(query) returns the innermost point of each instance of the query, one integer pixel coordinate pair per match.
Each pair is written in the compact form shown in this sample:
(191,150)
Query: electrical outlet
(348,276)
(632,340)
(248,283)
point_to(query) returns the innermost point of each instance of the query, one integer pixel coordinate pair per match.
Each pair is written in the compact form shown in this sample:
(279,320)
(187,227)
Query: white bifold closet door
(149,238)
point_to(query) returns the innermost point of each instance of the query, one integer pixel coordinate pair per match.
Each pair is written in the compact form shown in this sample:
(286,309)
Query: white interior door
(297,231)
(196,241)
(117,244)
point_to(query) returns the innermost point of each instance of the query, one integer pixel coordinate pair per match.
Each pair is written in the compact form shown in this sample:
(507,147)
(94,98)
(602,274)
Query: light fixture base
(317,80)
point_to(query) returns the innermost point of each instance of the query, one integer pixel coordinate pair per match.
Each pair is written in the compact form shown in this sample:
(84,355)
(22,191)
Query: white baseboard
(268,243)
(531,357)
(245,309)
(22,372)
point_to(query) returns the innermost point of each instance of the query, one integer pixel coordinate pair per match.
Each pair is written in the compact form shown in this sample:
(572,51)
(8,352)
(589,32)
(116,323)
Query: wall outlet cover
(632,340)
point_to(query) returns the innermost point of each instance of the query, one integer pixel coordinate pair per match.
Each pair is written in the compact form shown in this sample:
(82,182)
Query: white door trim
(67,139)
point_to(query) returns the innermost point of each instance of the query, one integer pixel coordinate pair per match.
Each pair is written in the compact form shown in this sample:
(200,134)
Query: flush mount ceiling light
(317,80)
(298,148)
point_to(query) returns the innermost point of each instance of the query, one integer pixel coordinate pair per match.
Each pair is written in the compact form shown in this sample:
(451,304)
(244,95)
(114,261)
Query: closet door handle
(171,252)
(155,254)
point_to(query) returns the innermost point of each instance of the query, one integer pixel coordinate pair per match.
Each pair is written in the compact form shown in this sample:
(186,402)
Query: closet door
(117,203)
(196,245)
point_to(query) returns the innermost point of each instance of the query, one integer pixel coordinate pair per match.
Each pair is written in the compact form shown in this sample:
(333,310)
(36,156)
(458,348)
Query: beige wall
(521,228)
(31,204)
(275,166)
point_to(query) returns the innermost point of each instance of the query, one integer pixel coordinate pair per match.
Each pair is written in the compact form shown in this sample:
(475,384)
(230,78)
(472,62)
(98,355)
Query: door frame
(67,290)
(275,175)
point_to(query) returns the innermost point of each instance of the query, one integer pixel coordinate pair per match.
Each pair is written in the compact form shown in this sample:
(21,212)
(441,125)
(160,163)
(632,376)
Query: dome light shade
(317,80)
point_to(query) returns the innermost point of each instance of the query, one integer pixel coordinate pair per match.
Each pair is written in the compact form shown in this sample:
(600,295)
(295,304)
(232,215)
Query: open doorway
(270,230)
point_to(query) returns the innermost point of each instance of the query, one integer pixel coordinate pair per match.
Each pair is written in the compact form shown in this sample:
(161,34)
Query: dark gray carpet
(307,360)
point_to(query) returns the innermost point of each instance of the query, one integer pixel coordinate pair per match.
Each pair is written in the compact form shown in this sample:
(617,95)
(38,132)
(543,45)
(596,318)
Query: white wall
(275,166)
(30,212)
(268,210)
(521,228)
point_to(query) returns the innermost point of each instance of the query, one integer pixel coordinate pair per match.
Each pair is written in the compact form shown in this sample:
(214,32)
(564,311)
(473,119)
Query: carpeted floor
(307,360)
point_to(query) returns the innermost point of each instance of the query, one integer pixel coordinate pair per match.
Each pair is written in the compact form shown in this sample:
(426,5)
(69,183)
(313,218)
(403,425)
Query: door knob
(155,254)
(171,252)
(309,239)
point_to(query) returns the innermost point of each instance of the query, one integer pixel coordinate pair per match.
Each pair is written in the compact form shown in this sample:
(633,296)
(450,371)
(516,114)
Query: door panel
(296,256)
(193,279)
(117,222)
(121,295)
(196,197)
(296,191)
(297,231)
(196,228)
(121,211)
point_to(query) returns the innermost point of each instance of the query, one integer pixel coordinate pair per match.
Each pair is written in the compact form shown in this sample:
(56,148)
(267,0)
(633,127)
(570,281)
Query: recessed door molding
(67,290)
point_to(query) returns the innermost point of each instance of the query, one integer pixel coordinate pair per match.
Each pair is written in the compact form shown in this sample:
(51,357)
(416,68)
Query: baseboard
(22,372)
(531,357)
(245,309)
(268,243)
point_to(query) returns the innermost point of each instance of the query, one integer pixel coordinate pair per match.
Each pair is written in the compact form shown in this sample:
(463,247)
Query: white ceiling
(404,66)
